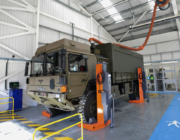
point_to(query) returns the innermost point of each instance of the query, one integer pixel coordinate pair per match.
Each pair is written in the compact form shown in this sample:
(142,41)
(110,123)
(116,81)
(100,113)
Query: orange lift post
(141,96)
(101,123)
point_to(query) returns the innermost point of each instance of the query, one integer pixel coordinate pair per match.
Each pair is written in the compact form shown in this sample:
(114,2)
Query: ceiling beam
(152,34)
(126,33)
(125,19)
(93,3)
(160,21)
(116,4)
(125,11)
(143,28)
(142,22)
(175,10)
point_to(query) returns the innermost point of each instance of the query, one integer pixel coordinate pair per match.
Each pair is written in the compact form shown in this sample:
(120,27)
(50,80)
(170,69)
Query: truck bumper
(52,100)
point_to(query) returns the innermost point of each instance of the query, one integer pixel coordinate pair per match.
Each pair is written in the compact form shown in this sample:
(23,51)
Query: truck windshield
(37,65)
(52,64)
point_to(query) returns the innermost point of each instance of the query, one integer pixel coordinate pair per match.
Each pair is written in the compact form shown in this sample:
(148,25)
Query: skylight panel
(113,10)
(118,17)
(152,4)
(106,3)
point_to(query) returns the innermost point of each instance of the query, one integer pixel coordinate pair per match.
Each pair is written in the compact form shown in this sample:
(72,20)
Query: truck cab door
(78,74)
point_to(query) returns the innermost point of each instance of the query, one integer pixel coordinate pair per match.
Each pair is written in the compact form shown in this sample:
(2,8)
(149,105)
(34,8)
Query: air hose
(149,33)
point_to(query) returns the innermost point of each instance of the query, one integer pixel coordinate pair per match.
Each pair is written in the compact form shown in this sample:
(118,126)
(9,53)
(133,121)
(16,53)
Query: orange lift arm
(149,33)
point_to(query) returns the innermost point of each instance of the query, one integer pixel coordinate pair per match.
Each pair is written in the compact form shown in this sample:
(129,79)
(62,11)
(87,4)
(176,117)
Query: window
(37,65)
(77,63)
(53,63)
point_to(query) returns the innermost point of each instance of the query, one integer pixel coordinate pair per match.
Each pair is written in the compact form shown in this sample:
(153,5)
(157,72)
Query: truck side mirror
(26,69)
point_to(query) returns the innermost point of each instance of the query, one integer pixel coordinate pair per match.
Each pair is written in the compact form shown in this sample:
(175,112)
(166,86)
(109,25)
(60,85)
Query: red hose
(147,38)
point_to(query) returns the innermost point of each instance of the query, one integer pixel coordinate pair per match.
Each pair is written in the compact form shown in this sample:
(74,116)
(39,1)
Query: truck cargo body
(123,63)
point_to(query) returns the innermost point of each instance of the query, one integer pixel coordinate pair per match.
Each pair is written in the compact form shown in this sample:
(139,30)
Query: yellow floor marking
(49,133)
(41,129)
(63,138)
(5,120)
(6,114)
(153,94)
(27,122)
(32,125)
(11,117)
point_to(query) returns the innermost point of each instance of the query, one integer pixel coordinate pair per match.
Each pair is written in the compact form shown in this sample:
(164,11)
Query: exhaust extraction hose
(147,38)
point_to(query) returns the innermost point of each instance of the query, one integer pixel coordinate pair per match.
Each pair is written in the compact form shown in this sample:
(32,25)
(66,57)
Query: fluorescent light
(147,64)
(169,62)
(106,3)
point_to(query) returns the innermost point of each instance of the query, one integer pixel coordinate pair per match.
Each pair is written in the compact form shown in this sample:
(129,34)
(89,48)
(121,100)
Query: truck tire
(53,111)
(88,106)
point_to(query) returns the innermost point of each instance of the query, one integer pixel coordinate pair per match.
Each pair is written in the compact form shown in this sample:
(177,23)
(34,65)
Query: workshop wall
(164,47)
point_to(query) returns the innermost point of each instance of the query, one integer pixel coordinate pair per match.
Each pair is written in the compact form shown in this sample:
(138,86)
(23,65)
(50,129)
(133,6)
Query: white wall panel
(66,36)
(22,44)
(176,55)
(49,22)
(95,28)
(168,46)
(165,43)
(149,49)
(147,59)
(48,36)
(6,30)
(156,57)
(82,34)
(170,36)
(167,56)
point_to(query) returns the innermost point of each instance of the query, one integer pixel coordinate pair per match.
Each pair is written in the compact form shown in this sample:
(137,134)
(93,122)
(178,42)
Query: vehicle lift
(104,99)
(140,81)
(105,114)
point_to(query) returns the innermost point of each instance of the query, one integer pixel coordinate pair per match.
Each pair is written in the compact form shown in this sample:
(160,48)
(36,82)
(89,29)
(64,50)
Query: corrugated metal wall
(22,44)
(61,12)
(164,47)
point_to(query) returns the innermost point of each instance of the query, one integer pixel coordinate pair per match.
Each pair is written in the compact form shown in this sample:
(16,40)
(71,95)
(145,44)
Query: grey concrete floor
(132,121)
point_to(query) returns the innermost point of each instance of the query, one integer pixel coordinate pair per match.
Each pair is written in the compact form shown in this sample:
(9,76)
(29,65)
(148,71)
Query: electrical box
(17,94)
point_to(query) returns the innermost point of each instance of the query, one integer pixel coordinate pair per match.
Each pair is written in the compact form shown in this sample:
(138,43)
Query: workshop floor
(132,121)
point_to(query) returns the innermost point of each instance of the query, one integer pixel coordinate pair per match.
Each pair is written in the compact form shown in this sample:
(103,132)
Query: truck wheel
(53,111)
(88,106)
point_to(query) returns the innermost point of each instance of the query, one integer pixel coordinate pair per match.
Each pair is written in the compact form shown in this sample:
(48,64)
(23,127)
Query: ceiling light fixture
(169,62)
(147,64)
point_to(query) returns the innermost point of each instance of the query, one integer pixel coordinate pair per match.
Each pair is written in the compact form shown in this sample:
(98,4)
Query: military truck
(63,75)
